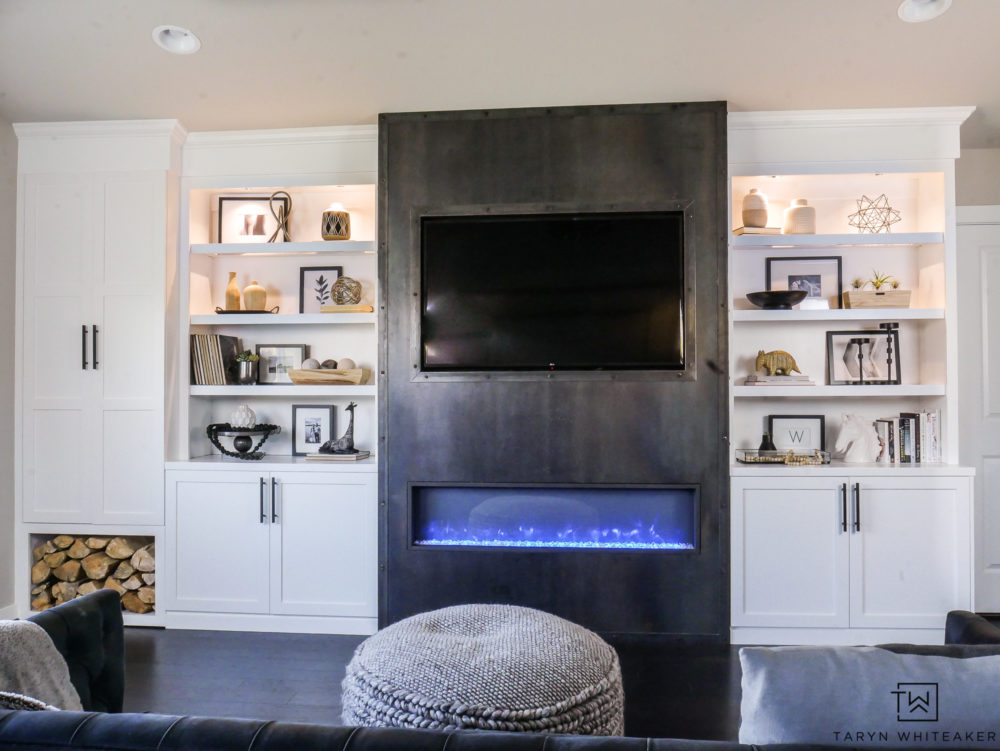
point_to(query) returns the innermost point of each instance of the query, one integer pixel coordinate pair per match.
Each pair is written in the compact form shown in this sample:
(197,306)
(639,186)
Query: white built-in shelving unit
(286,511)
(802,572)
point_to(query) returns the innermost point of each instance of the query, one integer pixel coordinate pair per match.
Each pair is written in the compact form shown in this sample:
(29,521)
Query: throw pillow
(868,697)
(10,700)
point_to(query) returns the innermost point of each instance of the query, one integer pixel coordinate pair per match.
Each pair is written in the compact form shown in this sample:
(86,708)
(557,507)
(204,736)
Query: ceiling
(290,63)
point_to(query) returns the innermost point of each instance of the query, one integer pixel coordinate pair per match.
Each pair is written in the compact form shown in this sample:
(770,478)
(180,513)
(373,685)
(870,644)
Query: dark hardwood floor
(671,690)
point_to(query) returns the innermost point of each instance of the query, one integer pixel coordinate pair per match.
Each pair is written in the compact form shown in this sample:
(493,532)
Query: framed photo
(802,433)
(276,360)
(315,285)
(248,219)
(312,426)
(820,276)
(863,357)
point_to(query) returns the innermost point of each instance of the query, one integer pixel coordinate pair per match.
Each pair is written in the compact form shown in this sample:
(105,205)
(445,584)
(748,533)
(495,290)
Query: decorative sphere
(243,417)
(242,443)
(310,364)
(346,291)
(346,363)
(329,365)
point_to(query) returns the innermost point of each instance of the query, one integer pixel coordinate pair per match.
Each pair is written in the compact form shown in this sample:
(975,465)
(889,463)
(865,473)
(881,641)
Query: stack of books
(213,359)
(778,380)
(338,457)
(757,231)
(911,438)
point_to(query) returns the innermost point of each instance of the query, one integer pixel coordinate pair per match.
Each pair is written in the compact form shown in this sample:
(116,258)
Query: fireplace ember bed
(633,519)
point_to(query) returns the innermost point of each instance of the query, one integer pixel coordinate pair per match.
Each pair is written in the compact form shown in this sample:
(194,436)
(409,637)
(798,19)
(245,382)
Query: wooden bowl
(321,377)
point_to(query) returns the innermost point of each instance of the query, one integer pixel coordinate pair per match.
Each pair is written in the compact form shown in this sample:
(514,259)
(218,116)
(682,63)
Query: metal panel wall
(609,429)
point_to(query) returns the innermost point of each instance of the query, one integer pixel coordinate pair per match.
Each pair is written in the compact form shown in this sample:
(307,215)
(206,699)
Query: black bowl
(777,299)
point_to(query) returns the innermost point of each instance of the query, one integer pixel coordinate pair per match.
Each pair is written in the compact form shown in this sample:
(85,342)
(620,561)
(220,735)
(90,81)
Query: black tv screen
(582,291)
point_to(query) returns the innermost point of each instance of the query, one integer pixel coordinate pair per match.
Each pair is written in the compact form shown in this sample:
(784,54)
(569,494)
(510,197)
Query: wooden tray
(320,377)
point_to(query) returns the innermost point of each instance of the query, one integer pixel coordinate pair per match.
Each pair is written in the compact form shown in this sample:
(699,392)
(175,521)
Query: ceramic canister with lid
(800,218)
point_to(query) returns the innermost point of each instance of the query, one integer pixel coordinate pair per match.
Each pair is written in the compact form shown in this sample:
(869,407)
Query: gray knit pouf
(494,667)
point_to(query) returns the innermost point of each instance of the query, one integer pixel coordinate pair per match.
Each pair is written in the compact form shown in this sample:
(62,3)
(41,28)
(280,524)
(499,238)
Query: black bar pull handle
(94,345)
(83,341)
(274,500)
(857,507)
(263,514)
(843,505)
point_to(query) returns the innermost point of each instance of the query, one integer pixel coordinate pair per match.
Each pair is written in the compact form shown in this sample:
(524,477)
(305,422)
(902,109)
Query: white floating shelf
(809,392)
(284,390)
(837,314)
(838,240)
(281,319)
(292,248)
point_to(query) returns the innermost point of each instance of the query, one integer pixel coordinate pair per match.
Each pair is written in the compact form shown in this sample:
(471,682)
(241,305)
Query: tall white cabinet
(95,222)
(848,553)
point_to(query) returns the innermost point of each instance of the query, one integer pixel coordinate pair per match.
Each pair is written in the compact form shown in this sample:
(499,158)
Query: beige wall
(977,177)
(8,201)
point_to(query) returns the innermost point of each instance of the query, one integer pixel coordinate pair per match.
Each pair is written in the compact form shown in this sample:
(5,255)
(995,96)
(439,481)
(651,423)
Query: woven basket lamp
(336,223)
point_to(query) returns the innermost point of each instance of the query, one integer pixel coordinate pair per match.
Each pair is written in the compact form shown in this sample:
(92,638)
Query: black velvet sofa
(89,633)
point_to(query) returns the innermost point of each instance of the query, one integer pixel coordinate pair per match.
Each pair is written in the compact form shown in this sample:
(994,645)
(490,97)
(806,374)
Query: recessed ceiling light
(175,39)
(915,11)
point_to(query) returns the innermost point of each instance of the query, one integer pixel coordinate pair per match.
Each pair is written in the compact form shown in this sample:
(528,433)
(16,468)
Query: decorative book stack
(778,380)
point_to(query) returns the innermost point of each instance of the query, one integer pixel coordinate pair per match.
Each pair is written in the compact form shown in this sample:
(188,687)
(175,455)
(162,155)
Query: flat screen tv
(562,291)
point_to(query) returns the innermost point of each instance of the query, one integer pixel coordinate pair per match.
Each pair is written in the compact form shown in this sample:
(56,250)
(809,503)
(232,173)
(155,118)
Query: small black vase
(766,444)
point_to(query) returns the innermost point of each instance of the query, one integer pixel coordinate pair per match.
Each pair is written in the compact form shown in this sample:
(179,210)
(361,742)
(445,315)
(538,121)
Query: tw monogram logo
(916,702)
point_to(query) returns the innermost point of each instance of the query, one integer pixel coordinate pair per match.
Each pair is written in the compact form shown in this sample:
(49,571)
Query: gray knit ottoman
(494,667)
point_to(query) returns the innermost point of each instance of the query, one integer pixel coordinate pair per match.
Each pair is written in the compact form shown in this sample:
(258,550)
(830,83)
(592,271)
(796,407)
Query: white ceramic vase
(754,209)
(800,218)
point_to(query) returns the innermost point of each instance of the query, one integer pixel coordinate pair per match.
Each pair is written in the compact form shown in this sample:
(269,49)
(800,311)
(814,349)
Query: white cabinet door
(93,338)
(324,552)
(790,552)
(129,291)
(59,459)
(217,541)
(911,558)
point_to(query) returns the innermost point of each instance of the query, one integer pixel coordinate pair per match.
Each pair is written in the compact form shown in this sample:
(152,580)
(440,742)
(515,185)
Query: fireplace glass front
(589,518)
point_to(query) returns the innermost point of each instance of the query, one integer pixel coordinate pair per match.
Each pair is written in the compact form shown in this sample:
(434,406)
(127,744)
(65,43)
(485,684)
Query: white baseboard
(835,636)
(8,611)
(284,624)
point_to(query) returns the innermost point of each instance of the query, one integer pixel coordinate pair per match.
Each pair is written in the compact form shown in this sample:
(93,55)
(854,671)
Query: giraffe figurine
(344,444)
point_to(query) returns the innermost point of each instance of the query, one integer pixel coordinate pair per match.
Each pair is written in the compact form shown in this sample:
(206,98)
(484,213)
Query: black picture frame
(228,205)
(309,435)
(314,273)
(287,353)
(784,432)
(880,357)
(779,269)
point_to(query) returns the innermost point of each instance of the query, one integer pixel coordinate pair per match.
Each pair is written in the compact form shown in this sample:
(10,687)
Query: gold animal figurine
(776,362)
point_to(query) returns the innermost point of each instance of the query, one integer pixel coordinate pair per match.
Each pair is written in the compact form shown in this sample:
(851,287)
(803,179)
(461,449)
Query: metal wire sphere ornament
(346,291)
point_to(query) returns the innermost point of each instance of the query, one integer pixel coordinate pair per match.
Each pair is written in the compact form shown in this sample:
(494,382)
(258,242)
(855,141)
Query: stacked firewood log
(69,566)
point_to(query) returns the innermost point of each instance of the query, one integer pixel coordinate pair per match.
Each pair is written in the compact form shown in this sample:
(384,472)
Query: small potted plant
(248,367)
(884,293)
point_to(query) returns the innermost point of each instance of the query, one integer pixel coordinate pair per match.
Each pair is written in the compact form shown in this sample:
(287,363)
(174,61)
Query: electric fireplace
(562,517)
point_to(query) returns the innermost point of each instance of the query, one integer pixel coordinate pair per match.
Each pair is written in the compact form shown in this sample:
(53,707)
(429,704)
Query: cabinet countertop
(838,468)
(272,463)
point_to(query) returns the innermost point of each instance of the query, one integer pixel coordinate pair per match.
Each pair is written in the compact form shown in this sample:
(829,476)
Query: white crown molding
(888,117)
(103,129)
(977,215)
(281,136)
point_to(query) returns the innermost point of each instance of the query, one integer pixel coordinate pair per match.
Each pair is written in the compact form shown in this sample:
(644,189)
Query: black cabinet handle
(857,507)
(83,341)
(94,345)
(274,500)
(263,514)
(843,505)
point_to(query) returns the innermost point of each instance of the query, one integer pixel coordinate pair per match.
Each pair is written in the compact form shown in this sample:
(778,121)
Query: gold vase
(254,296)
(232,293)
